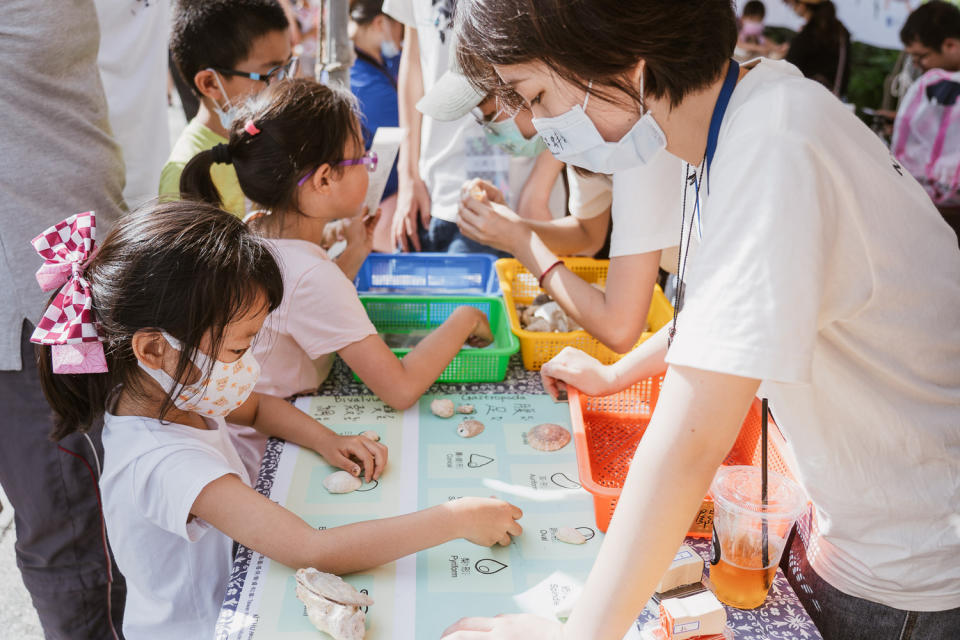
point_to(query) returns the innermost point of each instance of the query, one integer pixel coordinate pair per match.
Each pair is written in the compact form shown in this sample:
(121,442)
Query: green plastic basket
(404,314)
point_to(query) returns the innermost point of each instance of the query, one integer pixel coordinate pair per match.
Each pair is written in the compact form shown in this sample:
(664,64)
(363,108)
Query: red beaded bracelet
(547,271)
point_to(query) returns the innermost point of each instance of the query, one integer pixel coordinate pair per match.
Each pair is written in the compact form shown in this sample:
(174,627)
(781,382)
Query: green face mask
(507,135)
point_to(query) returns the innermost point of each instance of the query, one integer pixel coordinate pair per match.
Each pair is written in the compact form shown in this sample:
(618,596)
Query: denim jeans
(839,616)
(445,237)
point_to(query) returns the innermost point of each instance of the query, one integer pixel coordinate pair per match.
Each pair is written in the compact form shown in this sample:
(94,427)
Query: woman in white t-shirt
(823,271)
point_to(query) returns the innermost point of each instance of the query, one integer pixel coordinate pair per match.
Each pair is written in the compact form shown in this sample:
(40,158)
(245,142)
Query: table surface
(781,616)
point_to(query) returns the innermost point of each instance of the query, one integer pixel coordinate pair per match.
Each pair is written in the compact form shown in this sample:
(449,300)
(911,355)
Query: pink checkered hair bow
(69,324)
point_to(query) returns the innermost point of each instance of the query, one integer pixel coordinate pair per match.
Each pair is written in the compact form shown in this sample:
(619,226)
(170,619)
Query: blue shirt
(375,87)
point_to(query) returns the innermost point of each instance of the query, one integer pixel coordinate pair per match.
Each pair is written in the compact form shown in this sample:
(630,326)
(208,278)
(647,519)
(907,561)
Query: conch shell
(333,606)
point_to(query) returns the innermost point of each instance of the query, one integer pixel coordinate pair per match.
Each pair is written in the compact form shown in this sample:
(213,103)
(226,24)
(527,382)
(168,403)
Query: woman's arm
(264,526)
(534,201)
(400,383)
(697,420)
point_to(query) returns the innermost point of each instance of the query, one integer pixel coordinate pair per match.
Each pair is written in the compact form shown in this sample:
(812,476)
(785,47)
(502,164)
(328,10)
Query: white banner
(874,22)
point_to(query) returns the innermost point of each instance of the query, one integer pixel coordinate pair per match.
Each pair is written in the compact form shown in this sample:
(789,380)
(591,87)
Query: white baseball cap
(451,98)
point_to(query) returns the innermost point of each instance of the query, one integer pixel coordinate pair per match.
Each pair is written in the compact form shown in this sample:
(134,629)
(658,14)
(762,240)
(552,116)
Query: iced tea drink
(749,536)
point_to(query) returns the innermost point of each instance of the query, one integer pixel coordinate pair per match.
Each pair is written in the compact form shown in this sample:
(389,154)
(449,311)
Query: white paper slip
(386,144)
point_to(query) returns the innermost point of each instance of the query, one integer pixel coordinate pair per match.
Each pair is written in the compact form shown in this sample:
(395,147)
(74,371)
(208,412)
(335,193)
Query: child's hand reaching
(482,335)
(354,454)
(487,521)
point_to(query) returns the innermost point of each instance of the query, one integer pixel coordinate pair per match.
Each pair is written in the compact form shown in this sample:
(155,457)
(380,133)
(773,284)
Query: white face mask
(573,138)
(229,114)
(389,48)
(228,386)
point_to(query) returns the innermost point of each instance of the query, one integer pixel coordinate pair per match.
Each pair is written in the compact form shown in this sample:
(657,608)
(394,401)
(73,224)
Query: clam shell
(442,407)
(470,428)
(466,409)
(570,536)
(342,482)
(331,587)
(548,437)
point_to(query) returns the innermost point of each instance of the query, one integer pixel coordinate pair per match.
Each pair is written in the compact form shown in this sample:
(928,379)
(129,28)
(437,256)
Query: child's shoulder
(301,257)
(131,437)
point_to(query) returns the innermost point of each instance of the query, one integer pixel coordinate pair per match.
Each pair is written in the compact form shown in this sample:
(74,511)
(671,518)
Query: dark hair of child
(755,10)
(186,268)
(279,136)
(365,11)
(930,24)
(219,33)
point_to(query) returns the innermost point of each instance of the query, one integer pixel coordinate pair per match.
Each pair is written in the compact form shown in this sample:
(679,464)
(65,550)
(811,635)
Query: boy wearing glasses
(227,51)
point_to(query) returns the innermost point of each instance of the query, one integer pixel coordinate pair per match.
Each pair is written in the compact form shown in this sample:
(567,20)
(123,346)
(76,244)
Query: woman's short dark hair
(300,125)
(686,45)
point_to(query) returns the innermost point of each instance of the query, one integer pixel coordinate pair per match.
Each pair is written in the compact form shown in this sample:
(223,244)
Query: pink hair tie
(69,325)
(251,128)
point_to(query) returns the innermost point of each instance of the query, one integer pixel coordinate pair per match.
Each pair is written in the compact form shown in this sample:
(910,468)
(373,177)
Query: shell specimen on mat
(333,606)
(548,437)
(442,408)
(570,536)
(470,428)
(342,482)
(466,409)
(373,435)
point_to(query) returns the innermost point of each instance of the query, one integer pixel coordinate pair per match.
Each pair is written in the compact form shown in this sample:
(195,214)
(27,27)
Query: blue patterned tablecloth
(780,618)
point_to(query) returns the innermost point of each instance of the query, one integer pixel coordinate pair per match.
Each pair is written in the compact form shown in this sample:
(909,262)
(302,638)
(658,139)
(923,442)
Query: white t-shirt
(825,271)
(320,314)
(590,195)
(133,67)
(450,152)
(176,571)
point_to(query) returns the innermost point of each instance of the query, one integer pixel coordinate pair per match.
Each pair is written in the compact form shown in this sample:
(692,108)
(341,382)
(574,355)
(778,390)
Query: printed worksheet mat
(419,596)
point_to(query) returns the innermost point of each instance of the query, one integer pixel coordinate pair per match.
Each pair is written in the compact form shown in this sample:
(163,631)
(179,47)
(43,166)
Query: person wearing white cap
(438,156)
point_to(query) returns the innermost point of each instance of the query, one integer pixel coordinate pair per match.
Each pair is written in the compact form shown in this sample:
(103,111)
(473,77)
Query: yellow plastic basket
(537,347)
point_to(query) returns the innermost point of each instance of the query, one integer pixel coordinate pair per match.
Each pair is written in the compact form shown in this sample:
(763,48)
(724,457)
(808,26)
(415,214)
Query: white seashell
(373,435)
(342,482)
(539,324)
(554,315)
(466,409)
(570,536)
(548,437)
(470,428)
(333,606)
(442,407)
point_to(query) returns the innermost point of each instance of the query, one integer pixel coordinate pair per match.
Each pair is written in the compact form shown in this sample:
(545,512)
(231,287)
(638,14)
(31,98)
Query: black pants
(61,541)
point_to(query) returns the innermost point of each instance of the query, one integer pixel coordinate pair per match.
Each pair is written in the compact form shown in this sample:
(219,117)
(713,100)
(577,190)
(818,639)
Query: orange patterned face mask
(227,386)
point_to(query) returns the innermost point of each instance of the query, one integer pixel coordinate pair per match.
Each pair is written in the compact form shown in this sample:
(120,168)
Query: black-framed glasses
(286,70)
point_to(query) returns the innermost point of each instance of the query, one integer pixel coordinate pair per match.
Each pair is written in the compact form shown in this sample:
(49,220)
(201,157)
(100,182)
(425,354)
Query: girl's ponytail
(196,183)
(77,400)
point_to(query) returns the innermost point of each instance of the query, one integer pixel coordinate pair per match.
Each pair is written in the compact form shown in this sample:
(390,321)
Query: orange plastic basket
(607,430)
(537,347)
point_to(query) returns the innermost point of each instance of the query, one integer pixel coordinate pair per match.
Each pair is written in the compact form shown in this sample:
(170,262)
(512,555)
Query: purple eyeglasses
(369,159)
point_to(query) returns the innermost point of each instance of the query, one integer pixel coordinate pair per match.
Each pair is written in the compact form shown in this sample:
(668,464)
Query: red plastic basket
(607,430)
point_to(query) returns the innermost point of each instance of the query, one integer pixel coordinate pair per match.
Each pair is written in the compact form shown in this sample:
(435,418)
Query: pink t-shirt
(320,314)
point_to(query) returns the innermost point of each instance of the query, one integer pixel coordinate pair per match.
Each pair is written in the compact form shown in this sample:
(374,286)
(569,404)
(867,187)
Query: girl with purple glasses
(299,154)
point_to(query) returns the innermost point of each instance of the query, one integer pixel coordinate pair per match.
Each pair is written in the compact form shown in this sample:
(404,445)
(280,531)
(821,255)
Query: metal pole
(334,48)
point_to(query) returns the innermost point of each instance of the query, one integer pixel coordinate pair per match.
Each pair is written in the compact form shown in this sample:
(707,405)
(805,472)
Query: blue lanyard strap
(729,84)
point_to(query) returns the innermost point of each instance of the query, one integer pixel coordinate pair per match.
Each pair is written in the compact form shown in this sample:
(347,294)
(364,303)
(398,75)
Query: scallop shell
(548,437)
(333,606)
(342,482)
(570,536)
(470,428)
(373,435)
(466,409)
(442,407)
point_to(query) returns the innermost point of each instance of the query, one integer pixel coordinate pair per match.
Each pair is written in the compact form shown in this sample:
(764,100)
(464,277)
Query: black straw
(763,481)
